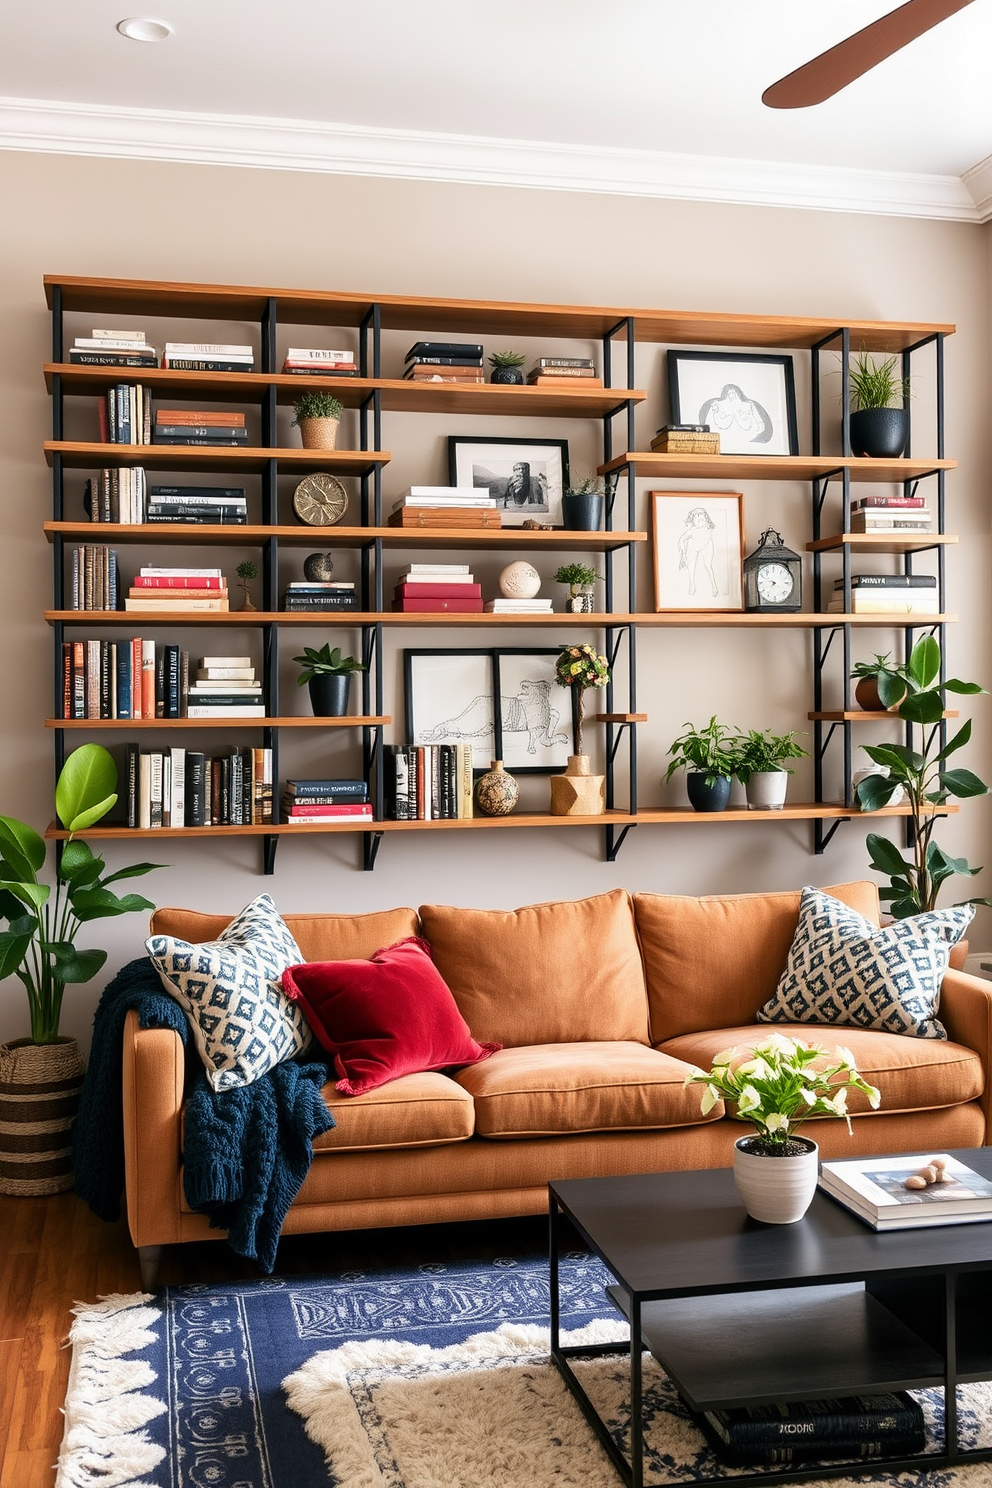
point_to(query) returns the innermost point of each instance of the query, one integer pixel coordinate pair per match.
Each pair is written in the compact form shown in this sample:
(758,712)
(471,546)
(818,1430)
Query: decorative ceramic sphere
(519,580)
(496,792)
(319,567)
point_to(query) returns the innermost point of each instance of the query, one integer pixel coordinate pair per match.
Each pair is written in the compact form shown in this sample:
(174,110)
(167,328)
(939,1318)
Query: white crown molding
(979,183)
(297,144)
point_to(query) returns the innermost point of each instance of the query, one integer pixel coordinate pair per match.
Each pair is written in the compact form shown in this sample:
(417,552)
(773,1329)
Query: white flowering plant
(779,1083)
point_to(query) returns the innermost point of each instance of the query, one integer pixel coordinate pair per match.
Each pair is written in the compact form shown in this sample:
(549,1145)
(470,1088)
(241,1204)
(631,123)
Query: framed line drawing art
(749,400)
(525,477)
(449,700)
(534,730)
(697,542)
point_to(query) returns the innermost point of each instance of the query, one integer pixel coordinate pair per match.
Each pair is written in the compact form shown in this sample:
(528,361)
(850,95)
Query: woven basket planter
(319,433)
(39,1097)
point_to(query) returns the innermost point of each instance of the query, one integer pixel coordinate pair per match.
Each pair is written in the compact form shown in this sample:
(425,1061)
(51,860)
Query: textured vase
(319,433)
(329,694)
(581,599)
(766,790)
(703,797)
(508,376)
(39,1097)
(776,1190)
(582,511)
(496,792)
(577,792)
(880,433)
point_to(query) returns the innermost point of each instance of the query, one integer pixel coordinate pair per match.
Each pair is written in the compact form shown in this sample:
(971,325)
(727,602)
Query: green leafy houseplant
(875,384)
(314,404)
(891,679)
(326,662)
(576,573)
(247,571)
(507,359)
(38,945)
(589,485)
(581,668)
(759,751)
(915,882)
(711,751)
(777,1086)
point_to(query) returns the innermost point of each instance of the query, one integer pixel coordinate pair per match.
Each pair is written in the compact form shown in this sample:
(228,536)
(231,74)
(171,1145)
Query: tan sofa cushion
(712,962)
(548,1089)
(547,974)
(321,937)
(912,1074)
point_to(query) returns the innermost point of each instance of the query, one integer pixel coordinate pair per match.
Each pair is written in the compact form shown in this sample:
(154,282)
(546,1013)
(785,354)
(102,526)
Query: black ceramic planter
(703,797)
(582,511)
(508,375)
(329,694)
(880,433)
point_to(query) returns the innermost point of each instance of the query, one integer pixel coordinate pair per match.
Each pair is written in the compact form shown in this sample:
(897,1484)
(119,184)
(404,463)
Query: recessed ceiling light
(140,28)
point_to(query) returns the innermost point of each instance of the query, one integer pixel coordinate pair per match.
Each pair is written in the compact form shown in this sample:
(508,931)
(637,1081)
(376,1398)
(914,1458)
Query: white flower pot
(766,790)
(776,1190)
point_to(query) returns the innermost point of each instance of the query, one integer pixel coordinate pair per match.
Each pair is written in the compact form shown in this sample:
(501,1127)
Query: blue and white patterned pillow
(230,989)
(845,971)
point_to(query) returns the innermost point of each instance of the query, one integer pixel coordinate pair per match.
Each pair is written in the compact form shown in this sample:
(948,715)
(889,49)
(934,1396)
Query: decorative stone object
(496,792)
(319,568)
(519,580)
(933,1172)
(578,792)
(776,1189)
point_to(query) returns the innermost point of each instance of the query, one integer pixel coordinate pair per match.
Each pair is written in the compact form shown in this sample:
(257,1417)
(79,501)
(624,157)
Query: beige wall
(208,224)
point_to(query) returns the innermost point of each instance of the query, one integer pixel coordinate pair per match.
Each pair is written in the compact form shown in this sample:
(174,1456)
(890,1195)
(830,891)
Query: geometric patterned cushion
(842,969)
(242,1021)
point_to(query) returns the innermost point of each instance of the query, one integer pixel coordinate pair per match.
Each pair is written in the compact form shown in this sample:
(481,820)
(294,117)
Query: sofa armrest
(966,1012)
(154,1077)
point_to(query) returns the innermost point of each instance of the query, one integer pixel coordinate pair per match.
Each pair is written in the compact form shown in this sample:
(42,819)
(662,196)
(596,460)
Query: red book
(187,581)
(437,606)
(321,813)
(438,591)
(868,503)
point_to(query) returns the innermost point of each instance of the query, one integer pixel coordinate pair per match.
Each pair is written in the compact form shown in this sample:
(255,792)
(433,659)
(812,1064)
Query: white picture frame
(697,542)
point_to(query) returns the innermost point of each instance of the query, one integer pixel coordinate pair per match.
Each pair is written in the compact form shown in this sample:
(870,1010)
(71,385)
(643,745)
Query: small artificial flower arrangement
(581,667)
(777,1086)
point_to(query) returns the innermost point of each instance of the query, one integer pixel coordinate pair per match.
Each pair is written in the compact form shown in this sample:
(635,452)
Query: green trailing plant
(326,662)
(580,668)
(589,485)
(891,678)
(915,882)
(38,945)
(507,359)
(761,750)
(314,404)
(875,384)
(712,750)
(576,573)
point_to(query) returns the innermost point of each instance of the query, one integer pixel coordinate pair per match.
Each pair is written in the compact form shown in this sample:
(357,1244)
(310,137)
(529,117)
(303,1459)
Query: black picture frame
(751,403)
(431,693)
(545,722)
(542,501)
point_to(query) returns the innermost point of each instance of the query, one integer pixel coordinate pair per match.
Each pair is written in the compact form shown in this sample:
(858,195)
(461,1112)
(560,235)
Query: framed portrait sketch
(525,477)
(449,700)
(697,538)
(749,400)
(534,729)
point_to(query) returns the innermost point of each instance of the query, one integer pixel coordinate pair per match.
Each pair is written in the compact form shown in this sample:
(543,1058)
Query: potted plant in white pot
(578,792)
(328,675)
(777,1085)
(38,946)
(761,767)
(317,415)
(879,415)
(710,758)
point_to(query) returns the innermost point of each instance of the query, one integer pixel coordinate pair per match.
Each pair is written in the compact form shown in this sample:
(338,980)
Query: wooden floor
(54,1252)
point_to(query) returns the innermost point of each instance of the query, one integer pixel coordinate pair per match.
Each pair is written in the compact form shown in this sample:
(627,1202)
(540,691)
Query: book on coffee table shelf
(859,1427)
(875,1190)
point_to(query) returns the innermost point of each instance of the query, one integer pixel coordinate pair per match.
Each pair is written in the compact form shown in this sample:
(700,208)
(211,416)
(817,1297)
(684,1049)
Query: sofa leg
(148,1258)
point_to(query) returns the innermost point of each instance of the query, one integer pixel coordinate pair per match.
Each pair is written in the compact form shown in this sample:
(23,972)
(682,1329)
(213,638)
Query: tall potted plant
(761,768)
(578,792)
(879,416)
(317,414)
(328,675)
(38,946)
(710,758)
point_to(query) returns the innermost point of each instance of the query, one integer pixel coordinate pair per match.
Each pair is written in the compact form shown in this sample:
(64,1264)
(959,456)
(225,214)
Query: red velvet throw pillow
(389,1016)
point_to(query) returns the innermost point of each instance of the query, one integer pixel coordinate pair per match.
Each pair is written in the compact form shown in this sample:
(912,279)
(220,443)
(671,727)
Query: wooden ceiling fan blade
(832,70)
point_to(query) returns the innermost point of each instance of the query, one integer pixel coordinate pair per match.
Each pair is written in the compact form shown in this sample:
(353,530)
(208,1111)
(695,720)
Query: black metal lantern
(773,576)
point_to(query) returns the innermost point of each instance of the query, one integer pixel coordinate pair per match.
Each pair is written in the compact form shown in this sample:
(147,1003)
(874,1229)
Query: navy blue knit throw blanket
(246,1151)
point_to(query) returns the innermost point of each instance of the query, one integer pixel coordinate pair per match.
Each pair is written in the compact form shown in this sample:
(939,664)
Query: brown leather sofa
(600,1004)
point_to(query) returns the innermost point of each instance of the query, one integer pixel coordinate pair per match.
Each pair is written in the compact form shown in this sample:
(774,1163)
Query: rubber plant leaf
(87,787)
(22,847)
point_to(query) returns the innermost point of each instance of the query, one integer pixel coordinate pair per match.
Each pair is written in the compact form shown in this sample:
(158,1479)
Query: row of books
(129,348)
(125,414)
(322,801)
(140,678)
(95,577)
(884,594)
(194,426)
(122,494)
(186,788)
(162,589)
(427,782)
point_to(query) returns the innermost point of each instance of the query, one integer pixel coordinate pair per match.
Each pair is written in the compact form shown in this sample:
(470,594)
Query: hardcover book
(875,1189)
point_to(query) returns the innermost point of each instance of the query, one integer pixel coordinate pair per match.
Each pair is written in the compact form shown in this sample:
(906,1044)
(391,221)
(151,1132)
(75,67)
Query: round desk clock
(320,500)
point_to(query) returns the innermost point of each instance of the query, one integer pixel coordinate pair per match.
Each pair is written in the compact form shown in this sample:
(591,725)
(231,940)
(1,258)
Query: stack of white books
(474,498)
(536,606)
(874,1188)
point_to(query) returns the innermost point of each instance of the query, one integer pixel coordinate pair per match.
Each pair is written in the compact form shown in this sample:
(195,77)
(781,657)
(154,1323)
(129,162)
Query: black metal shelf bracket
(615,838)
(269,845)
(370,849)
(822,834)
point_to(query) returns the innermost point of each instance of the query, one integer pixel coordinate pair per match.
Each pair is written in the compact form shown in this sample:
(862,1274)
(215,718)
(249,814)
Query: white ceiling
(642,89)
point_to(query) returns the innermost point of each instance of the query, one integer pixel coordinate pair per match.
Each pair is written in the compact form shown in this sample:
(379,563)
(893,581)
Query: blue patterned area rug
(436,1377)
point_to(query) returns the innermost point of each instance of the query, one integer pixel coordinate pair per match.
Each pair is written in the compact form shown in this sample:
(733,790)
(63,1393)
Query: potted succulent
(581,581)
(328,675)
(247,571)
(710,758)
(761,769)
(38,946)
(882,684)
(578,792)
(582,505)
(777,1085)
(879,428)
(317,414)
(506,367)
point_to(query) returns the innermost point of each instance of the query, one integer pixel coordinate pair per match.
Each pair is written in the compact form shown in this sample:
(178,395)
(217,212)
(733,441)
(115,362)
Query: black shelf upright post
(372,746)
(58,514)
(270,570)
(615,636)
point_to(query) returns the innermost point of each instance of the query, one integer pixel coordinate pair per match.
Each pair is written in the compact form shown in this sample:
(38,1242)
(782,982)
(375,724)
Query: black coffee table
(740,1313)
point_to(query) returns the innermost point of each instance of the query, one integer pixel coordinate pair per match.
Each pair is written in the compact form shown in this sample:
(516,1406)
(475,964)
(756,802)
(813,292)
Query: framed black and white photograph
(697,539)
(534,731)
(525,477)
(449,700)
(749,400)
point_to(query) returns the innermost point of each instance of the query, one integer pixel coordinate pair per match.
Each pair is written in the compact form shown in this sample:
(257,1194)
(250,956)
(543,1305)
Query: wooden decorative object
(577,792)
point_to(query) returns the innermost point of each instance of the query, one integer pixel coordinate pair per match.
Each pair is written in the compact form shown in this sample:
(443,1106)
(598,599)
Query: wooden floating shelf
(78,455)
(228,723)
(698,619)
(342,537)
(620,718)
(881,542)
(772,467)
(862,715)
(708,619)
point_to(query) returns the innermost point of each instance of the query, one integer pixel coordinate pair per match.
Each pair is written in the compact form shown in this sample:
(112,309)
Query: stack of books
(95,577)
(444,361)
(163,589)
(124,679)
(332,594)
(125,415)
(207,356)
(117,495)
(445,506)
(113,349)
(220,506)
(322,801)
(891,514)
(428,588)
(564,372)
(874,1188)
(225,687)
(305,361)
(686,439)
(195,426)
(185,788)
(535,606)
(428,782)
(854,1426)
(888,594)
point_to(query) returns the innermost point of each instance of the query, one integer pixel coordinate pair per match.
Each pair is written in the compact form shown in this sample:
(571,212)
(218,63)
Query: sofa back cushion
(712,962)
(568,972)
(320,937)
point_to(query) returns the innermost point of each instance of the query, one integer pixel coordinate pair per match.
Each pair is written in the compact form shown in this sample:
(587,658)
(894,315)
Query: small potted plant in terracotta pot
(882,684)
(328,676)
(317,415)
